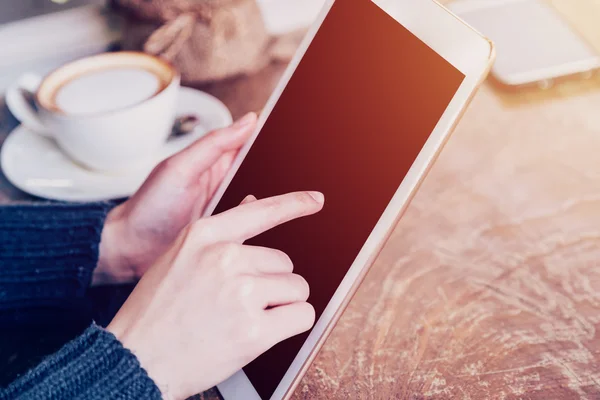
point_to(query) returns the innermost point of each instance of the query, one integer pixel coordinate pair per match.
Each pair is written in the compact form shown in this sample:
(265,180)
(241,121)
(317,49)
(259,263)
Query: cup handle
(18,100)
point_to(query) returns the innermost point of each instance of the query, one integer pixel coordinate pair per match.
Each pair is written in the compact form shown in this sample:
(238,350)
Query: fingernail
(248,199)
(244,121)
(318,196)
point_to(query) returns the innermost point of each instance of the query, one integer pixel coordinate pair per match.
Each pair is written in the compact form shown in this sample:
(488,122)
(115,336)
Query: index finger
(250,219)
(205,152)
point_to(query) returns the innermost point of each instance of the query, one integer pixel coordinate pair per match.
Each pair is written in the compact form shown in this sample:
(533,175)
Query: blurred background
(39,35)
(11,10)
(539,42)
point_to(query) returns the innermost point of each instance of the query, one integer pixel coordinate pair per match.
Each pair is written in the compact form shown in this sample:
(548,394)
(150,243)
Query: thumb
(202,154)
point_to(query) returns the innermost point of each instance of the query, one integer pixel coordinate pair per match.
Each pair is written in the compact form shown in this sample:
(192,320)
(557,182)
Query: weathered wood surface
(490,285)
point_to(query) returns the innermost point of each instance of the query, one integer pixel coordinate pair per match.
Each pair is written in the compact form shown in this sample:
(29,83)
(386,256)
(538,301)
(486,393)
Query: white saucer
(35,165)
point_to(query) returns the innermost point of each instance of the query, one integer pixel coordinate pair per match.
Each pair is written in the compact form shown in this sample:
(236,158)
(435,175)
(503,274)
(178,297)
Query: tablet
(359,115)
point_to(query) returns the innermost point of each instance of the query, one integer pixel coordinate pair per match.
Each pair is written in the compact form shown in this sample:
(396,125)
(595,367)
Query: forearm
(93,366)
(48,252)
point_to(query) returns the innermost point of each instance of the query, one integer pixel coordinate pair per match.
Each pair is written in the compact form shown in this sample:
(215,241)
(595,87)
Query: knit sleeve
(48,252)
(93,366)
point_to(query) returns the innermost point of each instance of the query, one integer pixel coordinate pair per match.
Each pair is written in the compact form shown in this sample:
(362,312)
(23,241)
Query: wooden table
(490,285)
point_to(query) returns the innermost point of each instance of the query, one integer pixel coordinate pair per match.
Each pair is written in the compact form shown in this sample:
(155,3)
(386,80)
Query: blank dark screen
(350,123)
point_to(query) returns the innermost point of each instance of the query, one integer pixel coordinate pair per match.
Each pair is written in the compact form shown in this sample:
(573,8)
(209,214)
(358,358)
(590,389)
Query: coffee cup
(109,112)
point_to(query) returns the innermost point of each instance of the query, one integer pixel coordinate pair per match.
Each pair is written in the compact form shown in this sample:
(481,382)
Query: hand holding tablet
(360,114)
(245,298)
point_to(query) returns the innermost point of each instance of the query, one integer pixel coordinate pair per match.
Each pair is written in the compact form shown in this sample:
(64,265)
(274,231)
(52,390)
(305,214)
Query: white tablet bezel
(461,46)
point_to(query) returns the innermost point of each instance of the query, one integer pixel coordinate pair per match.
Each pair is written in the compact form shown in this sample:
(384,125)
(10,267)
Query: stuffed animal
(207,40)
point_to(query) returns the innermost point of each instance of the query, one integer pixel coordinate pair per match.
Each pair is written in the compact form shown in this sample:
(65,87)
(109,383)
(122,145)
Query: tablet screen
(350,123)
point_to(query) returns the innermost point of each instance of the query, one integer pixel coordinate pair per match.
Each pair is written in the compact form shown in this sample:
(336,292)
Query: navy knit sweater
(47,256)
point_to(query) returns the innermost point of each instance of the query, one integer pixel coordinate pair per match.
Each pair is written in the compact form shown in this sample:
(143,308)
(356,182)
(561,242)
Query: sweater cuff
(48,251)
(93,366)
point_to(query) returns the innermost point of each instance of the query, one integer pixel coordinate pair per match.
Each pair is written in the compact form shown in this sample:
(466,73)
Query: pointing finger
(251,219)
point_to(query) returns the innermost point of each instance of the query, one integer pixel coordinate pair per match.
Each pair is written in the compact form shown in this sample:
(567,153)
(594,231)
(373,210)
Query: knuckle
(253,330)
(284,260)
(226,253)
(303,287)
(171,164)
(251,342)
(307,316)
(274,203)
(178,167)
(160,169)
(305,199)
(290,200)
(162,165)
(211,142)
(246,334)
(250,332)
(202,230)
(243,287)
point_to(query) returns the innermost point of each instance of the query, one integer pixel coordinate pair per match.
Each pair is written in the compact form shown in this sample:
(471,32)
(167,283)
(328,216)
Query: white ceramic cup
(110,112)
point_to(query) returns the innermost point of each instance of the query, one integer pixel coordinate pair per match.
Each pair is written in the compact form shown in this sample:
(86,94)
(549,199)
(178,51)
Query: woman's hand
(137,232)
(211,304)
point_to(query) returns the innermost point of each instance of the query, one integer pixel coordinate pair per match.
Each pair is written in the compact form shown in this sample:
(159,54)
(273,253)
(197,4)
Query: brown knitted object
(206,40)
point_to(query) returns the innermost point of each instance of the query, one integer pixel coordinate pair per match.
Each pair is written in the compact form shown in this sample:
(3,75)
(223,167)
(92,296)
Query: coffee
(105,91)
(102,84)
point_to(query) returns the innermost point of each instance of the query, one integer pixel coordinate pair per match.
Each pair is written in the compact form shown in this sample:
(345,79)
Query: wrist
(113,263)
(146,356)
